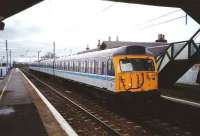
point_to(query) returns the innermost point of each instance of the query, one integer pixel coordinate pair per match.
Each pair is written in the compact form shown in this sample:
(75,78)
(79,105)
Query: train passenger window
(95,67)
(85,67)
(82,66)
(65,65)
(68,68)
(79,66)
(76,66)
(57,65)
(68,65)
(103,66)
(73,66)
(54,66)
(110,68)
(90,66)
(62,65)
(99,67)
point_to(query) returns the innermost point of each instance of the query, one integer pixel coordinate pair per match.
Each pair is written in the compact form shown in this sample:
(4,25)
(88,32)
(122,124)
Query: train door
(110,74)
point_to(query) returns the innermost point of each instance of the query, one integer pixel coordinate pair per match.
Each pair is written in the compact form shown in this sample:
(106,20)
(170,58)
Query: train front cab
(135,74)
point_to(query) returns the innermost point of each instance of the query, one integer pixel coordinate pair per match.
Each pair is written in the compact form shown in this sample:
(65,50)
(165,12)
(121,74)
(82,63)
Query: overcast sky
(74,24)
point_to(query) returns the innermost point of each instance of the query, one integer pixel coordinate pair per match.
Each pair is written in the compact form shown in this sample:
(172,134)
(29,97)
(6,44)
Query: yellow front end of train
(135,73)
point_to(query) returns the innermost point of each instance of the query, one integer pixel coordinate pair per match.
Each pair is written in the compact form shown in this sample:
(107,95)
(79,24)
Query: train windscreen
(136,64)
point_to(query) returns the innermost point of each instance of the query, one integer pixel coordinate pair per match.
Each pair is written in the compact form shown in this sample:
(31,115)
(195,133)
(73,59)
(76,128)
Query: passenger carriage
(120,70)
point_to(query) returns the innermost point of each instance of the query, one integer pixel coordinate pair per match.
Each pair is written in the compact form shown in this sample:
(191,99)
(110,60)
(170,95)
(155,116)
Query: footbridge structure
(178,57)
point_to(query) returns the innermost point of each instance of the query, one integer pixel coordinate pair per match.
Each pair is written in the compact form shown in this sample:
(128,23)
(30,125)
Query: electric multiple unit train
(119,70)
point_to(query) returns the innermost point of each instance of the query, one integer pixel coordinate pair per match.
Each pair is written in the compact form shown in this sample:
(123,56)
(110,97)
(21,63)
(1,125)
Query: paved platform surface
(22,112)
(15,92)
(18,115)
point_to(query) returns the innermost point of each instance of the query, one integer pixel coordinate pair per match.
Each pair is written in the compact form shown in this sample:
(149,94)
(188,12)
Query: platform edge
(61,121)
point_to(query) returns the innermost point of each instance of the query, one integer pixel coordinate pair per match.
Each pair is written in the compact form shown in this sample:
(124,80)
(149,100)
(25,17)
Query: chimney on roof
(161,38)
(109,38)
(87,47)
(99,44)
(117,38)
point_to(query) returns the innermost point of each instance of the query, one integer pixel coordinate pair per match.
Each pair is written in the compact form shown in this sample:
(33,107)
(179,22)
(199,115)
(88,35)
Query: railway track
(123,122)
(107,130)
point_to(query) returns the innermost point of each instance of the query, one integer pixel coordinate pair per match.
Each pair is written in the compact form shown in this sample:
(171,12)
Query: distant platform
(190,93)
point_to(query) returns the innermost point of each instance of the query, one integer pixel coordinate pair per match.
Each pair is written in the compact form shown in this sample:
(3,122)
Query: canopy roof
(11,7)
(191,7)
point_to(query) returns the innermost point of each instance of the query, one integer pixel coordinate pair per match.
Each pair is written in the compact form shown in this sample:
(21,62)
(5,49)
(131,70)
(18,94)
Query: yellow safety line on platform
(5,87)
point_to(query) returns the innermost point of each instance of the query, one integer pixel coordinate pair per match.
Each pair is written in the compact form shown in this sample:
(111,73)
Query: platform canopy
(11,7)
(191,7)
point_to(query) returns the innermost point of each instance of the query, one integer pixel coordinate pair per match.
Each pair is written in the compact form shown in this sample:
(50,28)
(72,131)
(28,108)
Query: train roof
(117,44)
(103,54)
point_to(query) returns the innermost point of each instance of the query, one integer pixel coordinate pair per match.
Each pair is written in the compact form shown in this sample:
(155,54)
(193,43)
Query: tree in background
(48,55)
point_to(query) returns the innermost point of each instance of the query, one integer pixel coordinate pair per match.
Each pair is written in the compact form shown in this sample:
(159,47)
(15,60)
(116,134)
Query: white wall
(190,76)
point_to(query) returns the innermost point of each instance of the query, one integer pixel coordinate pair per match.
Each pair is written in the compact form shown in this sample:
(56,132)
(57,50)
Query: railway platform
(22,110)
(188,94)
